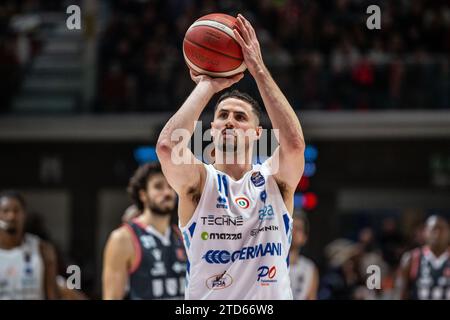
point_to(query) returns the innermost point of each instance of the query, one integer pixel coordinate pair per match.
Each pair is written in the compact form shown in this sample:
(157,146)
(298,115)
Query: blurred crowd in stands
(19,43)
(320,52)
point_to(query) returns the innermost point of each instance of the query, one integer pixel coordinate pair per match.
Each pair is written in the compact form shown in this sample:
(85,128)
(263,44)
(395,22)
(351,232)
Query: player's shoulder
(408,256)
(121,235)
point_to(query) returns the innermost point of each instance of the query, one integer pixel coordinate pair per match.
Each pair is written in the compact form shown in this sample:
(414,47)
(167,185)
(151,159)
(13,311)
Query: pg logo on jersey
(257,179)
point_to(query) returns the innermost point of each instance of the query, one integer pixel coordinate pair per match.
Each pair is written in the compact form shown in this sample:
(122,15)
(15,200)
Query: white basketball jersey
(22,271)
(302,273)
(238,239)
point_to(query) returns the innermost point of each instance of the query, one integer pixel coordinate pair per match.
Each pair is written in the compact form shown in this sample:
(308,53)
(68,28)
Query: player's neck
(233,164)
(8,242)
(236,171)
(160,223)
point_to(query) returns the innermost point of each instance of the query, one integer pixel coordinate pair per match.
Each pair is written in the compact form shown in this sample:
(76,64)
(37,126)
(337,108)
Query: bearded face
(159,197)
(235,126)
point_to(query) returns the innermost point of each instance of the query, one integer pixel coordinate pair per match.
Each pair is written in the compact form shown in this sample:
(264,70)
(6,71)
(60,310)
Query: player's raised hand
(251,50)
(216,84)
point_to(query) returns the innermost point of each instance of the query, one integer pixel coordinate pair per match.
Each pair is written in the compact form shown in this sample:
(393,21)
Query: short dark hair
(14,194)
(256,108)
(139,181)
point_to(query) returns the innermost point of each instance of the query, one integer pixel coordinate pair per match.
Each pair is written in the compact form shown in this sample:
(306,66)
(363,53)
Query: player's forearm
(187,115)
(280,112)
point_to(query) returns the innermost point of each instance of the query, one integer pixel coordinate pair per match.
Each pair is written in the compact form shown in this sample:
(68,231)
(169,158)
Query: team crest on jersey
(257,179)
(219,281)
(242,202)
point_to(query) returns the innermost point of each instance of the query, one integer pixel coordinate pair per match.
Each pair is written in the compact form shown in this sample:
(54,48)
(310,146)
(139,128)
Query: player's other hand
(251,50)
(215,84)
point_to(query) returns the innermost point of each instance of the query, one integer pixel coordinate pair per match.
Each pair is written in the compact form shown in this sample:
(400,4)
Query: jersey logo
(178,267)
(147,242)
(263,196)
(257,179)
(221,236)
(266,275)
(266,213)
(219,281)
(159,269)
(242,202)
(221,203)
(256,231)
(246,253)
(223,220)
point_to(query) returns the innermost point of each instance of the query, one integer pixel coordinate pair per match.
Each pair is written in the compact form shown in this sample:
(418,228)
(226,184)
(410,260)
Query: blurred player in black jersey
(145,258)
(425,271)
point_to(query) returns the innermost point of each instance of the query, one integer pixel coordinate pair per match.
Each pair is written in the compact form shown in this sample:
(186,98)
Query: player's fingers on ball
(239,39)
(247,24)
(244,29)
(252,31)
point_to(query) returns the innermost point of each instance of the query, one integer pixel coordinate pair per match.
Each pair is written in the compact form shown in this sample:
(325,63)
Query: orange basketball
(210,48)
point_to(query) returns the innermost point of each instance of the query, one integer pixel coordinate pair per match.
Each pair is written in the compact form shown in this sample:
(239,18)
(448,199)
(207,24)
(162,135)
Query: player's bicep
(180,167)
(116,262)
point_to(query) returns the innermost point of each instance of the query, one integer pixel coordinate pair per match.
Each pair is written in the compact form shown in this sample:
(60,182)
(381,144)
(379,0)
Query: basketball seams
(214,50)
(219,17)
(198,69)
(214,24)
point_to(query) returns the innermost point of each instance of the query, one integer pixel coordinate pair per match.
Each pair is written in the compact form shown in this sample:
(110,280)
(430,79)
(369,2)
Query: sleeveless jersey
(160,267)
(430,276)
(22,271)
(301,273)
(238,239)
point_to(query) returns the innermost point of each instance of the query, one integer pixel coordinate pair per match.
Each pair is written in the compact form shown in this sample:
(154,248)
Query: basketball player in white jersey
(236,217)
(303,271)
(27,264)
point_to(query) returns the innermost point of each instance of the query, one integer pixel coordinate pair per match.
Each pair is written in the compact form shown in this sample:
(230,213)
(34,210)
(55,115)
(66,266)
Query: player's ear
(143,196)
